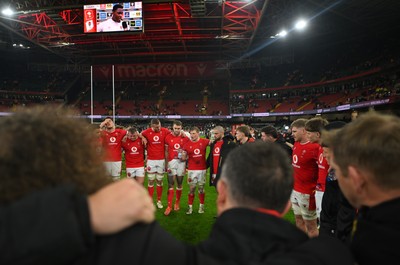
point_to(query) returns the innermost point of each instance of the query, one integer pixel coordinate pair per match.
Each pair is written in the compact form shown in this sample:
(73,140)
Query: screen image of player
(113,17)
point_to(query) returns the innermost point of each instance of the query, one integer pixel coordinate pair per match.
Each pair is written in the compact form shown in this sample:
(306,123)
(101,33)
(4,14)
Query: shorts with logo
(135,172)
(113,168)
(176,167)
(196,177)
(304,205)
(156,166)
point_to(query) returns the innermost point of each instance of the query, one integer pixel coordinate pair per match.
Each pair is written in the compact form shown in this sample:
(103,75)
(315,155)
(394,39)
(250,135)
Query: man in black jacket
(219,150)
(366,155)
(270,134)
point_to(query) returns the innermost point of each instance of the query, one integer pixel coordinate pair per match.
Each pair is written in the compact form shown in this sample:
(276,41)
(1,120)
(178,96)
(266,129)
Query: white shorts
(156,166)
(304,205)
(318,201)
(196,177)
(135,172)
(113,168)
(176,168)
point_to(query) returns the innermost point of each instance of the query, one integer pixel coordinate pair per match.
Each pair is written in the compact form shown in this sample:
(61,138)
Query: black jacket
(337,215)
(227,146)
(377,233)
(47,227)
(245,236)
(239,236)
(281,142)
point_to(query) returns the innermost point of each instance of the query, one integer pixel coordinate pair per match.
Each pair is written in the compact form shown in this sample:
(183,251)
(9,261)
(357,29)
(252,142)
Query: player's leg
(201,183)
(170,195)
(297,211)
(139,175)
(192,182)
(179,187)
(116,170)
(160,166)
(180,173)
(309,214)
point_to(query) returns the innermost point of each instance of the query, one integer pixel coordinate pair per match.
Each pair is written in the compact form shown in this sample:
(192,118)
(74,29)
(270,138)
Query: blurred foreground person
(366,155)
(337,215)
(49,165)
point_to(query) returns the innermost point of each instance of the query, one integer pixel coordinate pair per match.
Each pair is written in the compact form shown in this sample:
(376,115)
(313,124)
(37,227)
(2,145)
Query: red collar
(270,212)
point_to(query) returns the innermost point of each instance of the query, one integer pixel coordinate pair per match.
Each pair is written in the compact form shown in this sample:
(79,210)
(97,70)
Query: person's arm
(143,138)
(120,205)
(59,223)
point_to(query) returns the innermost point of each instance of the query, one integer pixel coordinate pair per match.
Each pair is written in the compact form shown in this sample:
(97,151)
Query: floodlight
(301,24)
(7,12)
(283,33)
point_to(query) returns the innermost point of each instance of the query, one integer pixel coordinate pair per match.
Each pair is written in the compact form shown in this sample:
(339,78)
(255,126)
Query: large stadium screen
(113,17)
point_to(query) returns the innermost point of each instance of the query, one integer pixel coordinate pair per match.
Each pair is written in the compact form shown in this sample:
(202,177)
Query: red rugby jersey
(155,143)
(112,144)
(304,162)
(323,168)
(196,153)
(174,143)
(134,153)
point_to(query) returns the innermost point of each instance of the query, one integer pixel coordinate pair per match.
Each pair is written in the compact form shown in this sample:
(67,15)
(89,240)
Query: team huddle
(165,151)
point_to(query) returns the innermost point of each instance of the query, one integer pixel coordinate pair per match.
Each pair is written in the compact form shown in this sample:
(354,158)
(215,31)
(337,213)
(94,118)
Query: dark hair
(316,124)
(45,147)
(244,129)
(155,121)
(259,175)
(299,123)
(270,130)
(194,128)
(132,129)
(115,7)
(176,122)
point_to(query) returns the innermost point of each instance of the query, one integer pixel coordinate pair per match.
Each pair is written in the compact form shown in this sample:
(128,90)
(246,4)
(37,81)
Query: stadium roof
(188,30)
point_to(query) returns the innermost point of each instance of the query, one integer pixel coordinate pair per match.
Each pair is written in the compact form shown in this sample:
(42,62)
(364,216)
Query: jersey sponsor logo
(113,139)
(177,146)
(156,138)
(295,159)
(216,150)
(196,151)
(321,158)
(134,149)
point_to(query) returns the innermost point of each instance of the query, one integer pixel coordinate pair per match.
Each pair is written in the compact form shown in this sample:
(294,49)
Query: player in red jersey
(176,166)
(155,136)
(243,135)
(134,155)
(195,153)
(314,128)
(304,162)
(112,140)
(219,150)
